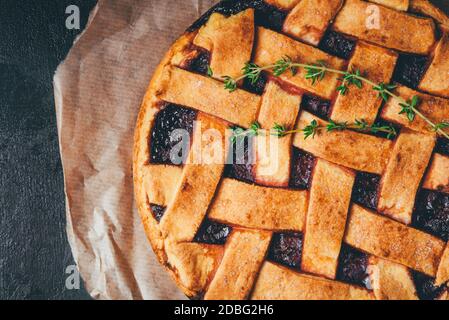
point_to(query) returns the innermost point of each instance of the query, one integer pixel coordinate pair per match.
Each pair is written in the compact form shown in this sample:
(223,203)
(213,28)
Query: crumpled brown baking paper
(98,92)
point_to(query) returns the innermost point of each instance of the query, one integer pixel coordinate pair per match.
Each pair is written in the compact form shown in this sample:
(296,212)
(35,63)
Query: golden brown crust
(275,209)
(144,125)
(207,95)
(393,241)
(435,79)
(241,204)
(438,174)
(160,183)
(330,196)
(283,4)
(386,27)
(197,185)
(309,20)
(230,41)
(273,154)
(401,5)
(425,7)
(405,170)
(443,268)
(272,46)
(391,281)
(375,63)
(239,268)
(278,283)
(347,148)
(434,108)
(193,264)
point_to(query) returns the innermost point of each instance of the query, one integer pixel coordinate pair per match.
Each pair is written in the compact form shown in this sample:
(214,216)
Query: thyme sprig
(317,71)
(311,129)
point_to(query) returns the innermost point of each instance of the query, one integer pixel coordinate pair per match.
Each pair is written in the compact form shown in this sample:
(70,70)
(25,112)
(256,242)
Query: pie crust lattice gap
(347,215)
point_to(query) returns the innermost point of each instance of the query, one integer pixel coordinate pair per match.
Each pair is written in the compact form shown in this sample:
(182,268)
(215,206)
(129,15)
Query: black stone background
(34,251)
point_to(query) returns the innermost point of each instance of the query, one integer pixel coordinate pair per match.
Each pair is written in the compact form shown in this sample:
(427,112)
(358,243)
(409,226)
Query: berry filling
(265,15)
(258,87)
(432,213)
(410,70)
(443,146)
(170,118)
(200,64)
(315,105)
(425,286)
(338,45)
(365,191)
(353,266)
(157,211)
(212,233)
(302,167)
(286,249)
(240,166)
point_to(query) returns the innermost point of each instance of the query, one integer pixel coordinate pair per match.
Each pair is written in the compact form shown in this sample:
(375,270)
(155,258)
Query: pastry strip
(251,206)
(273,154)
(209,96)
(391,281)
(193,264)
(283,4)
(401,5)
(330,196)
(230,40)
(279,283)
(309,20)
(438,174)
(376,64)
(435,79)
(425,7)
(350,149)
(405,170)
(386,27)
(243,257)
(434,108)
(443,269)
(198,182)
(272,46)
(391,240)
(161,182)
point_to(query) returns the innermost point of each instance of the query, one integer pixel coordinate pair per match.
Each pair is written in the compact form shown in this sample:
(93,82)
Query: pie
(339,214)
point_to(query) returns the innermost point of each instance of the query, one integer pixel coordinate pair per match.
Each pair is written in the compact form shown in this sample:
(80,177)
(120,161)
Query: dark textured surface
(34,252)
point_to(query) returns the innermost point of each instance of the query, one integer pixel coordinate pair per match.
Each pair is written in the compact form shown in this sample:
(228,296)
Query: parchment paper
(98,92)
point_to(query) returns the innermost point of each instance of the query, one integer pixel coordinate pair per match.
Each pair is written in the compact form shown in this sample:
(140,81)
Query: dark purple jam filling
(365,191)
(286,249)
(258,87)
(425,286)
(212,233)
(240,161)
(442,146)
(157,211)
(381,122)
(302,167)
(200,64)
(410,70)
(432,213)
(265,15)
(315,105)
(353,267)
(170,118)
(337,44)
